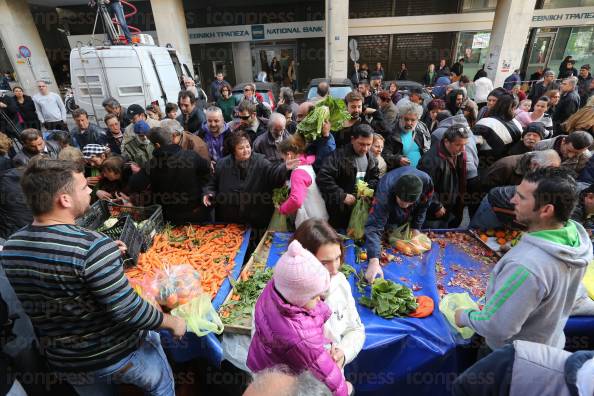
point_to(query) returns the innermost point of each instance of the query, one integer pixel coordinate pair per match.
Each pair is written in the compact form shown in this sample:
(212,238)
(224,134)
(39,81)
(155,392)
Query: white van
(132,74)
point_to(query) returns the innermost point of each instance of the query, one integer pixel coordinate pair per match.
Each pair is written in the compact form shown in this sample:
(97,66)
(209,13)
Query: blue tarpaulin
(191,346)
(409,355)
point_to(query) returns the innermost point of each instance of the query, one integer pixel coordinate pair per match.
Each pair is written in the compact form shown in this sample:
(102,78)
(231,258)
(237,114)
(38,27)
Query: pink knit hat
(299,276)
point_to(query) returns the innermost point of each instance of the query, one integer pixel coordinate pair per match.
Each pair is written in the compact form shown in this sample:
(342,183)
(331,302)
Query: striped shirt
(71,283)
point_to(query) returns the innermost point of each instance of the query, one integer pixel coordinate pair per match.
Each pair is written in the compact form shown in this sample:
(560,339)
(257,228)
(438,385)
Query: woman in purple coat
(289,321)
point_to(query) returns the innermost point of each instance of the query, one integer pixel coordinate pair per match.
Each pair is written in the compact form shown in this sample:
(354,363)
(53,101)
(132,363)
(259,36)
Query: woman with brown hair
(581,120)
(344,328)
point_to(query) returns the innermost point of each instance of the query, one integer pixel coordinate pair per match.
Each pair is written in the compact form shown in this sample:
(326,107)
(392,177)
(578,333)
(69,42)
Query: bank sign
(270,31)
(563,17)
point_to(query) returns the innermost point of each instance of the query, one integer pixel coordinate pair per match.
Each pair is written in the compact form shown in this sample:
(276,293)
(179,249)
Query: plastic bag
(588,280)
(402,240)
(278,222)
(359,215)
(175,285)
(452,302)
(200,316)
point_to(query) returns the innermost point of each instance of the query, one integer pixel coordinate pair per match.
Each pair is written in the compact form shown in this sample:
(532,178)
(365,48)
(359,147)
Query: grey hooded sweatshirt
(533,287)
(472,160)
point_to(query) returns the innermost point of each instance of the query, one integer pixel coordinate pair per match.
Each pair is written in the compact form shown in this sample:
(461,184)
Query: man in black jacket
(249,121)
(339,174)
(446,164)
(359,115)
(584,82)
(192,115)
(538,89)
(177,177)
(568,104)
(14,211)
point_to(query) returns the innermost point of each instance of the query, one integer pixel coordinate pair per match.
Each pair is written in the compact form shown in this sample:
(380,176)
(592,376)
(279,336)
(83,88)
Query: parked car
(267,90)
(339,88)
(405,85)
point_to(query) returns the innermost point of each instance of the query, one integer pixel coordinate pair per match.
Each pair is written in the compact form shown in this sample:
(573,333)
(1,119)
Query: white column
(170,21)
(17,29)
(337,36)
(508,38)
(242,60)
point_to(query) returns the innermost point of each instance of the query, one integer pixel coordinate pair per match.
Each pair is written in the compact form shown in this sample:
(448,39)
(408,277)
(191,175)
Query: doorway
(541,51)
(262,56)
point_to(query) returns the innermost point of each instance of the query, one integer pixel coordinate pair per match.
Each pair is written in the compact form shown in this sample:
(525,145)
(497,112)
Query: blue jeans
(485,218)
(118,11)
(146,368)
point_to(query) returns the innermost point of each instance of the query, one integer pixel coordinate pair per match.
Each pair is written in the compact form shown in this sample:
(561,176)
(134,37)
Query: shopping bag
(452,302)
(359,215)
(200,316)
(278,222)
(588,280)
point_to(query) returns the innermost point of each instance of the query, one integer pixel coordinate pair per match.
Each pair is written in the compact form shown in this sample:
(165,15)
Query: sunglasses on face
(247,117)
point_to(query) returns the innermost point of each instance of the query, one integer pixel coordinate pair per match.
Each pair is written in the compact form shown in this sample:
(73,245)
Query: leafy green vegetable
(338,112)
(280,195)
(248,291)
(389,299)
(360,213)
(311,126)
(363,190)
(347,270)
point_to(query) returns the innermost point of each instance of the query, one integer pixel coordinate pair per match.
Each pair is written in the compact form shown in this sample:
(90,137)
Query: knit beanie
(536,127)
(409,188)
(299,276)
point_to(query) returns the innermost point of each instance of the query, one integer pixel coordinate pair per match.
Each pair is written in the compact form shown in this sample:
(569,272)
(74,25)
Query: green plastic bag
(452,302)
(200,316)
(278,222)
(359,215)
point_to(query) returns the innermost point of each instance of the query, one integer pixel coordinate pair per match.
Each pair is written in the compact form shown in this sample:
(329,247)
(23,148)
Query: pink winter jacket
(293,336)
(300,182)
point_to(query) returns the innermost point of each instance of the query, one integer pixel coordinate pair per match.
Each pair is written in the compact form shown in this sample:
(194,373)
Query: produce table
(417,356)
(191,346)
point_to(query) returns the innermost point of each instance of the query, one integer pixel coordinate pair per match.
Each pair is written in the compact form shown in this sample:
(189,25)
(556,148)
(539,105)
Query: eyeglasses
(247,117)
(247,90)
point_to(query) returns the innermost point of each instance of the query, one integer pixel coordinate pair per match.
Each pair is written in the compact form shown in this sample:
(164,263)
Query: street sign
(24,51)
(354,55)
(353,44)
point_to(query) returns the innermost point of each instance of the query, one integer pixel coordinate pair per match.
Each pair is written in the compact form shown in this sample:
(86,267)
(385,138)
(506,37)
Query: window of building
(567,3)
(478,5)
(474,48)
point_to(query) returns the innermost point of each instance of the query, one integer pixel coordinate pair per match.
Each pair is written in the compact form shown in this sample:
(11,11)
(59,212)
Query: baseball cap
(141,128)
(586,67)
(135,110)
(91,150)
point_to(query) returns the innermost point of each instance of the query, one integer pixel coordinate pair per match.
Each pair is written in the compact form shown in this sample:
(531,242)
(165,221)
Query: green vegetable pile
(240,311)
(347,270)
(388,299)
(331,109)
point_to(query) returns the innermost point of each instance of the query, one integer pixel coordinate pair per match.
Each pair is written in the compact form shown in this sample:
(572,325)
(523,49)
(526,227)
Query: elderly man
(323,146)
(114,135)
(539,88)
(568,104)
(85,132)
(185,139)
(321,91)
(409,140)
(33,144)
(446,164)
(267,143)
(573,149)
(139,149)
(216,134)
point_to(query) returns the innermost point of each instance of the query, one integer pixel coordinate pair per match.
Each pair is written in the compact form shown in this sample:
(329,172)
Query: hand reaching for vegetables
(404,161)
(458,317)
(338,356)
(175,324)
(93,180)
(440,213)
(292,163)
(374,270)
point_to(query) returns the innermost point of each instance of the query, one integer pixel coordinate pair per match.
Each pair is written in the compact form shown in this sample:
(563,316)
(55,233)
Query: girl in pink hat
(289,321)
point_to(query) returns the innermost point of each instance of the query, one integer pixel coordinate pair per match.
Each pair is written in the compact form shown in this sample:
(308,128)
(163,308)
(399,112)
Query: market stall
(217,252)
(424,356)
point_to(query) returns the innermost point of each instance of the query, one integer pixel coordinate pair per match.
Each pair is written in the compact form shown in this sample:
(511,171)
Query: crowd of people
(493,157)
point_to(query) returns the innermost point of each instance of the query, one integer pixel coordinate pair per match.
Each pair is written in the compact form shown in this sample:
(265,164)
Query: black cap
(135,110)
(586,67)
(409,188)
(536,127)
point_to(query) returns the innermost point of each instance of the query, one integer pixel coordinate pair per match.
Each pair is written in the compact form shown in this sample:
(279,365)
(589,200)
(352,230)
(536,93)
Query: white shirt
(344,328)
(50,107)
(482,87)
